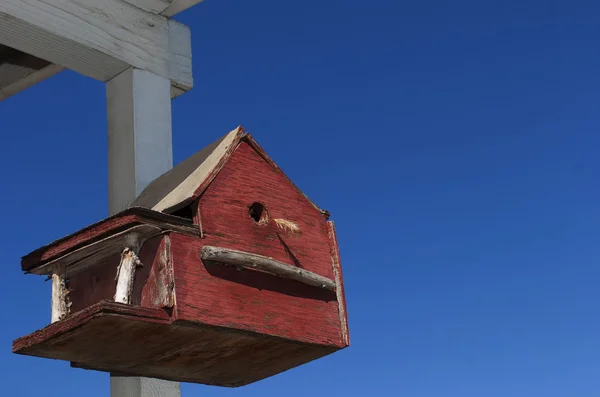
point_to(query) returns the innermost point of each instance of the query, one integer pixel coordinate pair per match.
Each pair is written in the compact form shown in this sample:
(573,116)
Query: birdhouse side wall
(290,230)
(224,296)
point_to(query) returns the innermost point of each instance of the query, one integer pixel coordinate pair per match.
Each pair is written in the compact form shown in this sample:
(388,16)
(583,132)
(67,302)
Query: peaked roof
(186,181)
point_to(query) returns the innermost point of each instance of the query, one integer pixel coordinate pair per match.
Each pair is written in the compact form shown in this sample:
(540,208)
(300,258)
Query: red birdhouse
(222,272)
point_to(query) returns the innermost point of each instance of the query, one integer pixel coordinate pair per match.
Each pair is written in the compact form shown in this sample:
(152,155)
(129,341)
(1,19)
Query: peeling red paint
(200,322)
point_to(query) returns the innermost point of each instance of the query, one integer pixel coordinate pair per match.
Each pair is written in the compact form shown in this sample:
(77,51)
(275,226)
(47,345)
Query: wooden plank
(164,7)
(137,341)
(153,6)
(154,282)
(178,6)
(105,228)
(19,71)
(22,344)
(339,281)
(93,285)
(98,38)
(28,79)
(89,255)
(269,265)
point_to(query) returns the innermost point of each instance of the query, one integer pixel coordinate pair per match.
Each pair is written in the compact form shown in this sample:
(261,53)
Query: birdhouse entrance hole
(258,213)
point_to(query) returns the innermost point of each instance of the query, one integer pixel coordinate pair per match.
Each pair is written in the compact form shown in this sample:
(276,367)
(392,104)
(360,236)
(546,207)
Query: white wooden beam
(99,38)
(20,80)
(178,6)
(164,7)
(19,71)
(139,150)
(153,6)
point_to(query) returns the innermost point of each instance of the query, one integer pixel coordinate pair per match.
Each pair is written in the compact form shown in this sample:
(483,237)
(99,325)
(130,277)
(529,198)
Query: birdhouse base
(137,341)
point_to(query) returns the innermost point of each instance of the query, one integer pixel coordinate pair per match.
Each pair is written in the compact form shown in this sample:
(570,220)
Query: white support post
(139,150)
(139,134)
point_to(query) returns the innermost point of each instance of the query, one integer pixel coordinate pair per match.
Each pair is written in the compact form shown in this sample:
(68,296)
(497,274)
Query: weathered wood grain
(98,38)
(94,284)
(247,138)
(153,6)
(178,6)
(126,275)
(59,329)
(60,308)
(88,256)
(154,283)
(135,341)
(252,261)
(189,317)
(164,7)
(247,178)
(105,228)
(339,281)
(249,300)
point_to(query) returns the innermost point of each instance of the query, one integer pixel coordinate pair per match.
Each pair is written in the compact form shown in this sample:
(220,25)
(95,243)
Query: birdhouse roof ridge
(186,181)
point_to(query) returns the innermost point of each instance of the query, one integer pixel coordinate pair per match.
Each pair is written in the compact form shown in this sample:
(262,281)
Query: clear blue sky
(455,144)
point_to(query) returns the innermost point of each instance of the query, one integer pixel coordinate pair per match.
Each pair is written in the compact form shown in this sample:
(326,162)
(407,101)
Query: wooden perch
(253,261)
(126,275)
(60,306)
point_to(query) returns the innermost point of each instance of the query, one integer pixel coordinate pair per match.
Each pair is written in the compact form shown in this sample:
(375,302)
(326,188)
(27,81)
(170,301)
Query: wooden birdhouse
(222,272)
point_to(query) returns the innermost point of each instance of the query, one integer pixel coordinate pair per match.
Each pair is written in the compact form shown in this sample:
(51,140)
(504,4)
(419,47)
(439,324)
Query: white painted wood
(153,6)
(59,296)
(126,275)
(178,6)
(26,78)
(146,387)
(139,134)
(139,150)
(99,38)
(164,7)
